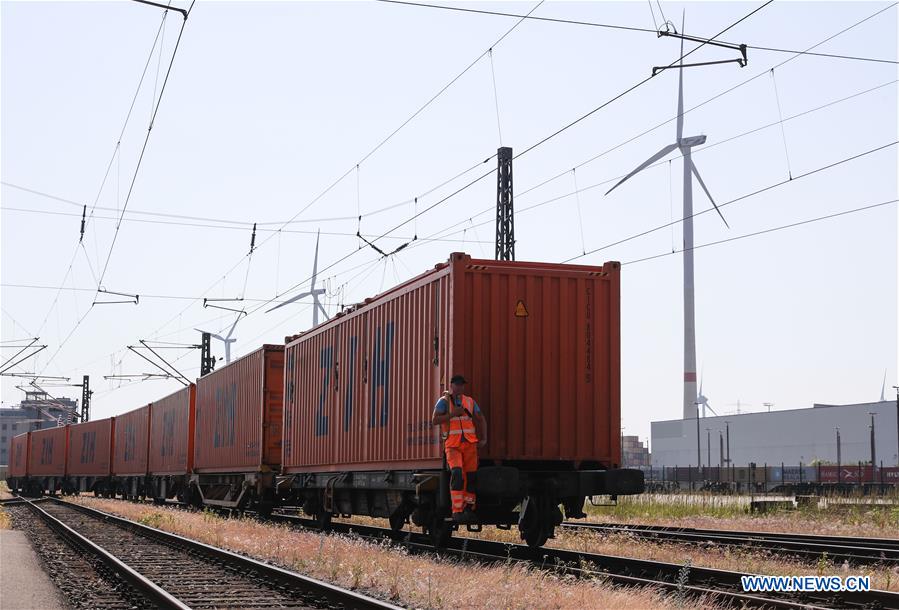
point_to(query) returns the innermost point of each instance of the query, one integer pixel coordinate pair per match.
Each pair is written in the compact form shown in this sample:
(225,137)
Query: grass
(714,511)
(391,573)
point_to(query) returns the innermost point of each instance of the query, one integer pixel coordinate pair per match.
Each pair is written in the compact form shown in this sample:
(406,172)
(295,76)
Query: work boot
(465,517)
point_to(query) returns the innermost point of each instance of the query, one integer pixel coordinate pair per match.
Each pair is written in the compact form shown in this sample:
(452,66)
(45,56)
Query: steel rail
(726,584)
(160,597)
(271,573)
(855,550)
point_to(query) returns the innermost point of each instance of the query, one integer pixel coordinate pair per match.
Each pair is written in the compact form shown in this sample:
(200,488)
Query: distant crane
(685,145)
(313,292)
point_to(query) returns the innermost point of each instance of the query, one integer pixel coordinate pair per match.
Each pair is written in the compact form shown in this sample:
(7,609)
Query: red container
(90,448)
(172,433)
(47,452)
(846,474)
(18,455)
(130,446)
(239,411)
(537,342)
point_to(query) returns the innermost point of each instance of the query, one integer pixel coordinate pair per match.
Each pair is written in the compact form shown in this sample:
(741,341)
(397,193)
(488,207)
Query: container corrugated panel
(172,433)
(538,343)
(130,448)
(90,448)
(18,455)
(239,414)
(47,452)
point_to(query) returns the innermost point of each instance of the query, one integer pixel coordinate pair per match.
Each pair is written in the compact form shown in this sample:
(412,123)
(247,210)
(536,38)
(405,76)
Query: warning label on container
(520,310)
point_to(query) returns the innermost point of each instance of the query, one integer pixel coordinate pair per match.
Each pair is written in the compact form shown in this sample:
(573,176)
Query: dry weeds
(391,573)
(739,559)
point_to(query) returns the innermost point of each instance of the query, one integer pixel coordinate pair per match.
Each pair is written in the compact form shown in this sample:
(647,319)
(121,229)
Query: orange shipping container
(538,343)
(90,448)
(130,444)
(239,412)
(47,452)
(172,433)
(18,455)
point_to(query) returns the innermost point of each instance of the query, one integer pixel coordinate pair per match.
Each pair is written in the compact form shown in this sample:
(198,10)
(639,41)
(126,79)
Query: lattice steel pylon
(505,217)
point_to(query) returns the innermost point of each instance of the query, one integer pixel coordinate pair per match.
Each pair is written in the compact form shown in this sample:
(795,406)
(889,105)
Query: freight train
(338,419)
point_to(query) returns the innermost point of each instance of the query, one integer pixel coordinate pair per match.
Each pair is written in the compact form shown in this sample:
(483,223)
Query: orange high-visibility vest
(460,426)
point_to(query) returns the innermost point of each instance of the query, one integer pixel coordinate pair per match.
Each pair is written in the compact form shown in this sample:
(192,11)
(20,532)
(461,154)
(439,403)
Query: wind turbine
(704,401)
(313,292)
(685,145)
(883,386)
(227,340)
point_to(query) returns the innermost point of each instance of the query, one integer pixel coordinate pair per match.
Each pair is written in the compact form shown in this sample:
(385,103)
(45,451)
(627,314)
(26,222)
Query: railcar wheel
(440,531)
(323,520)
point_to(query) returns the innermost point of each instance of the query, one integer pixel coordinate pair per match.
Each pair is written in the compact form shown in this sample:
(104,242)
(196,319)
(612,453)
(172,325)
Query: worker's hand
(482,442)
(456,410)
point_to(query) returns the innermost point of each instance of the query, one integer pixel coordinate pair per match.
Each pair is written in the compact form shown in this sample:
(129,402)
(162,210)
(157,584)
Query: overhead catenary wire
(146,142)
(378,146)
(783,131)
(445,231)
(791,225)
(134,177)
(638,29)
(759,191)
(499,127)
(537,144)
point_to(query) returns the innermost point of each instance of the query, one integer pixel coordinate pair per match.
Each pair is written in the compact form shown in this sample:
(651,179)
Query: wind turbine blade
(228,336)
(287,302)
(645,164)
(315,261)
(680,83)
(707,193)
(711,409)
(321,307)
(883,386)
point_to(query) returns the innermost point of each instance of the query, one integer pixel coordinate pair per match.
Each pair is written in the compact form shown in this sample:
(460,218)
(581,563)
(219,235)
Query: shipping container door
(273,399)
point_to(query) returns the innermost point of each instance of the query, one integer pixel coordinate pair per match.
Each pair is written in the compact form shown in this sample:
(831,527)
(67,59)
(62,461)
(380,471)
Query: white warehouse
(790,437)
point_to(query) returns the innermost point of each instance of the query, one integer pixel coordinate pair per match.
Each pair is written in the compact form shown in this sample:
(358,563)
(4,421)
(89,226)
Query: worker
(464,430)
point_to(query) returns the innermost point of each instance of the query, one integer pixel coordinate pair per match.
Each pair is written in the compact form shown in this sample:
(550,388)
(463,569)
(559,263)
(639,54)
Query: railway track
(677,579)
(857,551)
(170,571)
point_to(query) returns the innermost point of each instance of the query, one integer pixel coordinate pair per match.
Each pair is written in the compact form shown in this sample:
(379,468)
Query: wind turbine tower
(685,145)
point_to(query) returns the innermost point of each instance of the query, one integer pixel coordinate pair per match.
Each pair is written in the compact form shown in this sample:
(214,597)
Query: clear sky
(267,104)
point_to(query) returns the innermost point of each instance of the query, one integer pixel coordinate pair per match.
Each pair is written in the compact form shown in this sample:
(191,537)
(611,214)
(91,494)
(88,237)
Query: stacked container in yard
(18,455)
(47,452)
(90,449)
(537,342)
(130,445)
(172,433)
(238,415)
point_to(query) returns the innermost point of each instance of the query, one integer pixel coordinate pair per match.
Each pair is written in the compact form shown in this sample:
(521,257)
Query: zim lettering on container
(380,376)
(321,420)
(348,401)
(225,411)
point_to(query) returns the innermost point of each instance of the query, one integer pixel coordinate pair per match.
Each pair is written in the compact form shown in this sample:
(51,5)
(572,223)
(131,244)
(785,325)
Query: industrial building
(37,411)
(826,434)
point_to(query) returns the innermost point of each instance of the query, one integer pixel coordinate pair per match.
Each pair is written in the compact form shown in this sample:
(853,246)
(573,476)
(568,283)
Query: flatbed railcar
(338,420)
